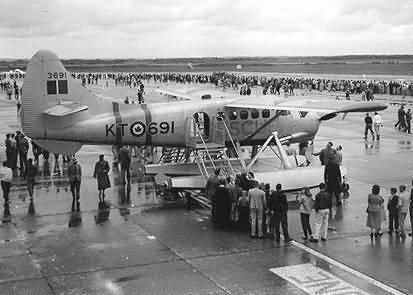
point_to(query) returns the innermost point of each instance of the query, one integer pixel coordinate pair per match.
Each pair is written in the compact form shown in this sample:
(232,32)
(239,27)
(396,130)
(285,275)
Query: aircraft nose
(309,126)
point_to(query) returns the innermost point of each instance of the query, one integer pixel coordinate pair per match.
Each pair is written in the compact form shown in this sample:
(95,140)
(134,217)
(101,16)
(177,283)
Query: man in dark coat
(368,121)
(210,189)
(223,204)
(279,208)
(333,179)
(401,118)
(125,160)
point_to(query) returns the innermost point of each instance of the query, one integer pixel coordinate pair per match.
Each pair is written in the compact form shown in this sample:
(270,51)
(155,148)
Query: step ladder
(206,153)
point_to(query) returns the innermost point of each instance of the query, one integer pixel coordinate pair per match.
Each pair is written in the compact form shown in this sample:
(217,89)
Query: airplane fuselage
(172,124)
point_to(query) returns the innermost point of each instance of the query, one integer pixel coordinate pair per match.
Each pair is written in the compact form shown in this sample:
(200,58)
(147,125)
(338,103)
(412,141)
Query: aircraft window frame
(255,114)
(243,115)
(303,114)
(284,113)
(233,115)
(62,86)
(51,87)
(266,113)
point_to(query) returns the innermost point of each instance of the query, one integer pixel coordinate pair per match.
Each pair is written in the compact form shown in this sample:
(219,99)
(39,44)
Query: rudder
(45,84)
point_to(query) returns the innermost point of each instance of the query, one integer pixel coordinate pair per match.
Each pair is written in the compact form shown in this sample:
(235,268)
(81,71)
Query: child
(392,207)
(345,189)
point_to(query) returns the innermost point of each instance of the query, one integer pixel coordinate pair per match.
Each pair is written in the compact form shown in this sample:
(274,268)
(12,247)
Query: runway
(143,245)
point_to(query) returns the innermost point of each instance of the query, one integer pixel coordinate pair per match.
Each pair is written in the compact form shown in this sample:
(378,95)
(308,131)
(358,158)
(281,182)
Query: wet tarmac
(140,244)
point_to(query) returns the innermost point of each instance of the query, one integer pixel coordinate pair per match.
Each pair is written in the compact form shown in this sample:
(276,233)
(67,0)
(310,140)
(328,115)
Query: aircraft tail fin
(52,99)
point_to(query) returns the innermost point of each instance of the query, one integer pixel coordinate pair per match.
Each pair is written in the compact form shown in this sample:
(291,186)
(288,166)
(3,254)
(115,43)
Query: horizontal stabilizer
(59,147)
(65,108)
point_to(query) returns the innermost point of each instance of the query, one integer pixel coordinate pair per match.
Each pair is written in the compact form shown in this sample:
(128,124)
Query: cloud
(130,28)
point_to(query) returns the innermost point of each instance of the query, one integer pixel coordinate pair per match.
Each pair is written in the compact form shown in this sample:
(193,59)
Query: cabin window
(62,86)
(284,113)
(265,113)
(255,114)
(243,115)
(233,115)
(51,87)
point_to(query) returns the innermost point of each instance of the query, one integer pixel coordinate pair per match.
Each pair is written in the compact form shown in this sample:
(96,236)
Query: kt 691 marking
(139,128)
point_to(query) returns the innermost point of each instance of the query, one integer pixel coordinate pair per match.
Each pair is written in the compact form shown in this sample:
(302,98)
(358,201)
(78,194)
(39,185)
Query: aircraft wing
(197,94)
(174,94)
(327,109)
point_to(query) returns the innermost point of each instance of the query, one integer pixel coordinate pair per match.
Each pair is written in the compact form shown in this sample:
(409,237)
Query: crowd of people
(399,205)
(404,120)
(270,85)
(11,88)
(255,206)
(17,164)
(242,81)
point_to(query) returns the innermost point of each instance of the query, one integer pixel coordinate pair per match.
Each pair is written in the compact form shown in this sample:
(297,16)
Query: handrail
(244,168)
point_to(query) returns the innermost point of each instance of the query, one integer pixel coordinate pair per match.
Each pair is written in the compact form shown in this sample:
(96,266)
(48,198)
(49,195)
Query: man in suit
(75,176)
(279,208)
(258,205)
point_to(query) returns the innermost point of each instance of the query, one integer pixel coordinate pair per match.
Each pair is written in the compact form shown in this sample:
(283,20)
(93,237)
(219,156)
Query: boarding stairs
(207,151)
(173,155)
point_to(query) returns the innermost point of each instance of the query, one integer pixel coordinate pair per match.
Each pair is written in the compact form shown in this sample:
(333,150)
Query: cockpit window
(51,87)
(265,113)
(243,115)
(233,115)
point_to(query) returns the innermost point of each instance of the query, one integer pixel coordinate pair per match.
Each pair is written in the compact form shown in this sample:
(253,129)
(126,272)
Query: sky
(187,28)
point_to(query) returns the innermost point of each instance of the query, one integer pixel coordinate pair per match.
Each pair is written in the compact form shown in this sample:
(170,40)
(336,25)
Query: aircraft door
(218,130)
(201,119)
(198,126)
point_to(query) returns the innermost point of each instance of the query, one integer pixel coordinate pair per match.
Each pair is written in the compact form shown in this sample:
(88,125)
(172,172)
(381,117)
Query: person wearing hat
(75,176)
(306,202)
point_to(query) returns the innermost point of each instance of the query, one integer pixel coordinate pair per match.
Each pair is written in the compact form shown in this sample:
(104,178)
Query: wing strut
(283,155)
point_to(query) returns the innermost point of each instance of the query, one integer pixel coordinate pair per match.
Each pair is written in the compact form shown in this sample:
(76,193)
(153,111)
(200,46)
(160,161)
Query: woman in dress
(101,174)
(375,212)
